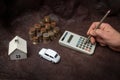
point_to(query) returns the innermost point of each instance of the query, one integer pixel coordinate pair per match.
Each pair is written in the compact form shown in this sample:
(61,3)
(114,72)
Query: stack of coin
(35,40)
(41,23)
(37,27)
(46,38)
(47,19)
(53,24)
(47,26)
(56,30)
(43,30)
(51,35)
(32,33)
(39,35)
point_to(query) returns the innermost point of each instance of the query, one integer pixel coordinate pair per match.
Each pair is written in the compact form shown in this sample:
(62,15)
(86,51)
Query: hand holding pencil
(105,35)
(97,26)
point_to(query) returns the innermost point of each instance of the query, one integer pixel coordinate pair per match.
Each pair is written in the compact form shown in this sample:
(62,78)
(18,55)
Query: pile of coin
(44,31)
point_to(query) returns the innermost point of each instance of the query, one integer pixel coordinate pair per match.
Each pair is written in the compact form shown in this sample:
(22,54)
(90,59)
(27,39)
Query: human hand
(105,35)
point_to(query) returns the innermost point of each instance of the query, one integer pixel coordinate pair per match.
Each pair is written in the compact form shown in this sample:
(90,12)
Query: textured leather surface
(104,64)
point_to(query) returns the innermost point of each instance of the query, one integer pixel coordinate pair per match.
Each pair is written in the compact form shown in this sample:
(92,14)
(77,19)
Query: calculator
(76,42)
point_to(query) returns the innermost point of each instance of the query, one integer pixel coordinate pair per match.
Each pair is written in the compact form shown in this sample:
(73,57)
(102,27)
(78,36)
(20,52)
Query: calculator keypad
(76,42)
(81,44)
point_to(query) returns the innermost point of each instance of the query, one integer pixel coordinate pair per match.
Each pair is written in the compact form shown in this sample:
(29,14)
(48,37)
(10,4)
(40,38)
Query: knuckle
(107,24)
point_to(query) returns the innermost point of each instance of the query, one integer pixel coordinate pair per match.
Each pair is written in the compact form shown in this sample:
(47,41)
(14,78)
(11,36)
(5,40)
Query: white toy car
(50,55)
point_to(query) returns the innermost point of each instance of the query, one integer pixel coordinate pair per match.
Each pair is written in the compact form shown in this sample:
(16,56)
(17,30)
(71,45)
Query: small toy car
(49,55)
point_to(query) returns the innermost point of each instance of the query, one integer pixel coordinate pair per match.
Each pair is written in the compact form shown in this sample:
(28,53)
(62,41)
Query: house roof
(17,43)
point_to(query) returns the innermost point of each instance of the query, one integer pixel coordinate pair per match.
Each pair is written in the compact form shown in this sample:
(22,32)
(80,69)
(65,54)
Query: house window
(18,56)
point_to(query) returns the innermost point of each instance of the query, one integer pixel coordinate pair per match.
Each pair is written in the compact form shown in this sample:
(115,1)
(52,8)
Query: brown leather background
(76,16)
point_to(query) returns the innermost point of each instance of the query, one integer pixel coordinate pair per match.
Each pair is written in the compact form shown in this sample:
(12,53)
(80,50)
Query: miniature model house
(17,49)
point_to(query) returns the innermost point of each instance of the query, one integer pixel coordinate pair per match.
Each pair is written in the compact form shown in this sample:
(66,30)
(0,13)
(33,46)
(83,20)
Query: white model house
(17,48)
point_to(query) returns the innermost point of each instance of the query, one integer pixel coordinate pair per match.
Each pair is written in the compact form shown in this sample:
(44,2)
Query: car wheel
(41,56)
(53,62)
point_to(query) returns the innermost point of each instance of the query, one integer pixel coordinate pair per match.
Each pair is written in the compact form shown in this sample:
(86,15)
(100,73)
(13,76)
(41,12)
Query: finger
(100,40)
(92,27)
(104,26)
(114,48)
(94,24)
(93,33)
(100,33)
(102,44)
(92,39)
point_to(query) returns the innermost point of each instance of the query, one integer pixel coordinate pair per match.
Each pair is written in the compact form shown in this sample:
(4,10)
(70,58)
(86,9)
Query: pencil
(101,21)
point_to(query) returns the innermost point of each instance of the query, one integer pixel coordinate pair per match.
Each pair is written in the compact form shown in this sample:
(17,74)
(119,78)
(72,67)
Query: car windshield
(56,55)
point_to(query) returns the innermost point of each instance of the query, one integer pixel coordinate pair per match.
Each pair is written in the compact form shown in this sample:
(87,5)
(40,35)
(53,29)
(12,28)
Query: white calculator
(76,42)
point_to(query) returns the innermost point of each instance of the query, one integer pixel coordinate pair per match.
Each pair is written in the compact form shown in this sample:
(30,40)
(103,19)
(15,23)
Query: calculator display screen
(70,38)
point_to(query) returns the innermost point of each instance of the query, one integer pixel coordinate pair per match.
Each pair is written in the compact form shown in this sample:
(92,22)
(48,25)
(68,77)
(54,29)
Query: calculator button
(85,49)
(90,48)
(82,47)
(87,44)
(76,45)
(81,43)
